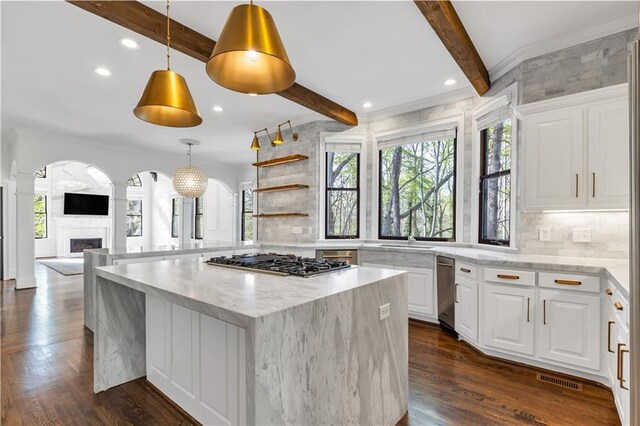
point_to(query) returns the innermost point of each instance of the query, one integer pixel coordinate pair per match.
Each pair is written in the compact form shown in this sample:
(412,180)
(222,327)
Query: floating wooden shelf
(281,215)
(282,188)
(282,160)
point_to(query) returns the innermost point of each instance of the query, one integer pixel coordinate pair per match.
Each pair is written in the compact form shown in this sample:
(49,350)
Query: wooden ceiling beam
(446,23)
(145,21)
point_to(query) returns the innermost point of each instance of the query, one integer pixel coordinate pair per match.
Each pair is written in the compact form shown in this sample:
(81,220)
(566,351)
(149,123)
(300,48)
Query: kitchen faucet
(411,239)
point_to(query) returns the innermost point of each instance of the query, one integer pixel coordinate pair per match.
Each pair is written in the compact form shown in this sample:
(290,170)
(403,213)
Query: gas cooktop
(279,264)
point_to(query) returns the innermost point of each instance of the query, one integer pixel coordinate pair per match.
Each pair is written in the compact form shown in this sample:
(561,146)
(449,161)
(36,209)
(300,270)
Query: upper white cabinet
(576,151)
(554,150)
(608,156)
(569,331)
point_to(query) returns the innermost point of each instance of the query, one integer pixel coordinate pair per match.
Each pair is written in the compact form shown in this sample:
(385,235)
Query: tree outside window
(134,218)
(343,195)
(417,190)
(40,216)
(175,217)
(247,215)
(495,184)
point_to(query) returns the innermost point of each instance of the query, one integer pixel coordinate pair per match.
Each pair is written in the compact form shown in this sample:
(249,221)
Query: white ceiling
(350,52)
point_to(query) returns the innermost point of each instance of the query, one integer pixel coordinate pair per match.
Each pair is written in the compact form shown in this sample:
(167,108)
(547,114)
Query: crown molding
(543,47)
(604,94)
(444,98)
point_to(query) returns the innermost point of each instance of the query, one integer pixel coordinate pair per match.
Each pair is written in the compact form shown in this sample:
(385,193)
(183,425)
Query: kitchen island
(236,347)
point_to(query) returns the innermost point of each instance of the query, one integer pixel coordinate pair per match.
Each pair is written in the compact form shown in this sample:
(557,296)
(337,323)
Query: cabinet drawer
(510,276)
(466,270)
(569,282)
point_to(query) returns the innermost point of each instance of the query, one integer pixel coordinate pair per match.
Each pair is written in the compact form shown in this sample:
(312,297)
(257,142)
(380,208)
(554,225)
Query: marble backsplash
(609,234)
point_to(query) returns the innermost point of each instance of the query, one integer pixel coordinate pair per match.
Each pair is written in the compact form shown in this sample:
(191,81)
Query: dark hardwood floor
(47,363)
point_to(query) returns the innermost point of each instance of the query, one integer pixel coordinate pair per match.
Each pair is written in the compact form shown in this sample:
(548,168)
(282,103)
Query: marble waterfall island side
(234,347)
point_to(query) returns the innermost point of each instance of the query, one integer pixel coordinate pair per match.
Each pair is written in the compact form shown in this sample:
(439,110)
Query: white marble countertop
(235,296)
(200,247)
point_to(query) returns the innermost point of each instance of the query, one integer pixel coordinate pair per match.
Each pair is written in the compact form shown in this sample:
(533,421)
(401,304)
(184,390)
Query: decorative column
(119,228)
(25,239)
(186,219)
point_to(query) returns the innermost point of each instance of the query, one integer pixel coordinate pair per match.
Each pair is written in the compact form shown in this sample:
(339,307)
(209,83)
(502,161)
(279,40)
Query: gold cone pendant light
(278,139)
(249,56)
(166,99)
(255,144)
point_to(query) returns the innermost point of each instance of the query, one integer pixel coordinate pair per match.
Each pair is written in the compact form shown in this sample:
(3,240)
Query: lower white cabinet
(421,296)
(466,310)
(568,329)
(197,361)
(508,318)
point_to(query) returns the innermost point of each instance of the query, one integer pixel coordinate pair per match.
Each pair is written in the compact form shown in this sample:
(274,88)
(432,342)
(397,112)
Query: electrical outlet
(384,311)
(581,235)
(544,233)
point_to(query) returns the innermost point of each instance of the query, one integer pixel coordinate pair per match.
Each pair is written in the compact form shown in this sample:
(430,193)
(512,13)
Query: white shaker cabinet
(576,151)
(566,332)
(553,159)
(466,312)
(421,294)
(608,155)
(508,318)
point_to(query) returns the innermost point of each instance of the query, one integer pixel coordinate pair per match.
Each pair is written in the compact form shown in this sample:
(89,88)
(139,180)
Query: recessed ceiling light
(102,71)
(253,94)
(218,108)
(367,105)
(129,43)
(450,82)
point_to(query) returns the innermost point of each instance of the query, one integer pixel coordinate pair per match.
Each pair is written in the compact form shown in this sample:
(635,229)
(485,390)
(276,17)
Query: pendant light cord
(189,155)
(168,39)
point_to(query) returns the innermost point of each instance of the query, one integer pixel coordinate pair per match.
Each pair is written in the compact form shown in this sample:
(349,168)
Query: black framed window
(247,215)
(40,216)
(495,184)
(342,201)
(198,219)
(134,181)
(134,218)
(417,189)
(42,173)
(175,217)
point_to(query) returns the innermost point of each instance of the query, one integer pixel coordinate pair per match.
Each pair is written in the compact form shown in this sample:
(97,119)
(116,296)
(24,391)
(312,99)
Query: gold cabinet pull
(608,291)
(618,306)
(456,290)
(610,323)
(465,270)
(528,310)
(622,352)
(576,185)
(544,312)
(620,345)
(593,184)
(568,282)
(508,277)
(336,256)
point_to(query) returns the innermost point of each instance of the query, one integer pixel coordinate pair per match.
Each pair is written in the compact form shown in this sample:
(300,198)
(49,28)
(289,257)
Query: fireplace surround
(77,245)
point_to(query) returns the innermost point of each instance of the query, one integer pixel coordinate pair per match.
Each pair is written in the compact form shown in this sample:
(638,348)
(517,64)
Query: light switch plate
(544,233)
(384,311)
(581,235)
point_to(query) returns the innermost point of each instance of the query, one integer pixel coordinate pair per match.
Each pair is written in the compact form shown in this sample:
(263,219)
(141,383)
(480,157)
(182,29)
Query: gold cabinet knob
(609,292)
(618,306)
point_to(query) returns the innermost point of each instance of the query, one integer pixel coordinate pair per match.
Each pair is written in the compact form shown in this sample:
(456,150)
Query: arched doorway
(72,211)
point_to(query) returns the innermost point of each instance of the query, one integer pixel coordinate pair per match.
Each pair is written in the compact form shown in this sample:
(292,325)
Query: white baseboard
(22,283)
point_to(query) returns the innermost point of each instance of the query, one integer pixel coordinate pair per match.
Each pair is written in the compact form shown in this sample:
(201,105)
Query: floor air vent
(560,382)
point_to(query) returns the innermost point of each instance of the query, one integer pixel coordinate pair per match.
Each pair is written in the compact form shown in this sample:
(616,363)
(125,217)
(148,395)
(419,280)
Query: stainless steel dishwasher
(446,293)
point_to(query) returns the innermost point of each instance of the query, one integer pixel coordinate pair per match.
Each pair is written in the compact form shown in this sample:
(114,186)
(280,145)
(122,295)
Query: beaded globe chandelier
(190,181)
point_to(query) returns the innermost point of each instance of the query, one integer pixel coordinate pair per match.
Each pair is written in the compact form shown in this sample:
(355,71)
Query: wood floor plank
(46,361)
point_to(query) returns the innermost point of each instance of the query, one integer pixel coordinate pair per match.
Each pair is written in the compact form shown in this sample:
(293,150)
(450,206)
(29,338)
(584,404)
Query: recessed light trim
(218,108)
(450,82)
(129,43)
(367,105)
(102,71)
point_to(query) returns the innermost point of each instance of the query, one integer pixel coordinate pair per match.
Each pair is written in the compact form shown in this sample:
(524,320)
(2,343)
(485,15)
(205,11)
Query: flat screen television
(86,204)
